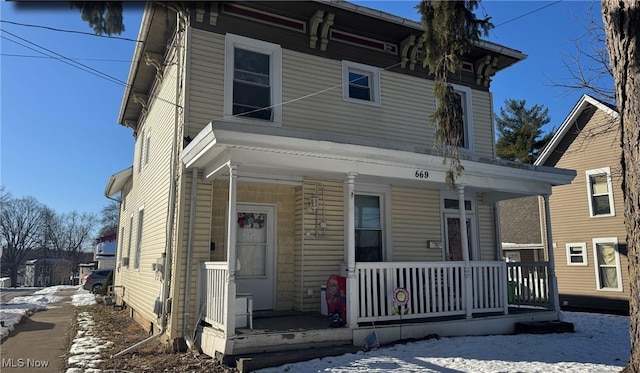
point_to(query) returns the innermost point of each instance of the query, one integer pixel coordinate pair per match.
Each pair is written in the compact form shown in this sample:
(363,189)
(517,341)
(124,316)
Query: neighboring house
(520,229)
(280,143)
(587,219)
(105,252)
(47,272)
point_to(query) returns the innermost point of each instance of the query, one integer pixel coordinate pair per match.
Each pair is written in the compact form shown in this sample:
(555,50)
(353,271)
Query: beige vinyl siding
(416,219)
(283,197)
(200,249)
(150,189)
(486,232)
(402,121)
(323,254)
(569,206)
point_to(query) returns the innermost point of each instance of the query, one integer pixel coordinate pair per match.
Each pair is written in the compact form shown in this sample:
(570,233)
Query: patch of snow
(600,344)
(83,298)
(55,289)
(85,349)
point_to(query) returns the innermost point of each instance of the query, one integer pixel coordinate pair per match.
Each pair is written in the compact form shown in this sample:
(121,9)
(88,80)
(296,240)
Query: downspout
(166,256)
(187,282)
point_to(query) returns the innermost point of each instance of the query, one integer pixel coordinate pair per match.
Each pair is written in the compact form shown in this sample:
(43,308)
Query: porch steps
(250,362)
(543,327)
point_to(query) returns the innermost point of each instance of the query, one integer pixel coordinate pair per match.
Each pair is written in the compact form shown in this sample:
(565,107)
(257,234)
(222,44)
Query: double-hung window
(577,254)
(253,79)
(136,259)
(600,192)
(360,83)
(607,258)
(368,224)
(463,95)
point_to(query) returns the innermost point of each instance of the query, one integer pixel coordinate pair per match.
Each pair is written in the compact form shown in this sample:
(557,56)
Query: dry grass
(116,326)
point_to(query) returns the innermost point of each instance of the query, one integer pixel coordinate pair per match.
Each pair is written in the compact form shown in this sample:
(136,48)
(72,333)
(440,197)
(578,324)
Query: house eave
(579,107)
(267,149)
(117,181)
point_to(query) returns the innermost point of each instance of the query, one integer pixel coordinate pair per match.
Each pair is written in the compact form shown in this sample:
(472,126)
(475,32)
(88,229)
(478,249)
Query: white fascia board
(303,154)
(117,181)
(145,25)
(582,104)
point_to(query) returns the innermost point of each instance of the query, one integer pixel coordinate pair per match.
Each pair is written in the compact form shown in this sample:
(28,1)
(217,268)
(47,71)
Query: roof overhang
(117,181)
(584,102)
(269,153)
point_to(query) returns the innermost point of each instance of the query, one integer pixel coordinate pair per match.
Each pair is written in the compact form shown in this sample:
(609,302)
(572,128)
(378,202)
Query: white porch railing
(213,292)
(529,283)
(435,289)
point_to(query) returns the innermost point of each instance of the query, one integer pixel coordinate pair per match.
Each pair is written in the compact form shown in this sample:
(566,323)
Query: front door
(454,237)
(255,254)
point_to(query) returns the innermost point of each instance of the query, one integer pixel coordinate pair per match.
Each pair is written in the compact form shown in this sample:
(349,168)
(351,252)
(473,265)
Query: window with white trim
(360,83)
(600,192)
(129,240)
(147,145)
(368,224)
(463,94)
(253,79)
(577,254)
(141,151)
(607,259)
(136,260)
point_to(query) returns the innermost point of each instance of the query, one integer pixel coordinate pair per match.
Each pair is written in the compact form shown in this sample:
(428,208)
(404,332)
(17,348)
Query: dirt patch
(116,326)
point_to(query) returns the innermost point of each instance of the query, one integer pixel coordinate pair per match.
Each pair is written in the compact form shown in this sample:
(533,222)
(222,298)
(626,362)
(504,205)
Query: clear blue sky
(59,138)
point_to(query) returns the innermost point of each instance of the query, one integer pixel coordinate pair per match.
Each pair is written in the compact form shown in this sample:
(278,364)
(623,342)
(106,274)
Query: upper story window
(360,83)
(253,79)
(463,94)
(600,192)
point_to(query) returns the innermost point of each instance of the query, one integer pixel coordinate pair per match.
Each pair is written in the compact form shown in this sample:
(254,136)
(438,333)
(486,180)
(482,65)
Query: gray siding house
(280,143)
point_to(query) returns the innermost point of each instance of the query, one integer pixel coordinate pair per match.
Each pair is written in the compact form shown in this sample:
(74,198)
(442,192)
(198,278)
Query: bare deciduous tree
(21,223)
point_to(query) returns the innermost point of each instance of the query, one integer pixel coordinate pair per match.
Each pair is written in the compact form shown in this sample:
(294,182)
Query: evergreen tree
(104,17)
(450,28)
(520,136)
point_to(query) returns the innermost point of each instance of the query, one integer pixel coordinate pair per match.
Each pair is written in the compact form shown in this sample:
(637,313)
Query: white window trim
(147,142)
(275,74)
(601,240)
(583,245)
(140,226)
(375,82)
(129,240)
(469,214)
(384,193)
(468,116)
(141,151)
(600,171)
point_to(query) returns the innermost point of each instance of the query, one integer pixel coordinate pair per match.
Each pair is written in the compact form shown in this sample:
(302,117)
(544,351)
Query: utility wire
(75,59)
(69,31)
(526,14)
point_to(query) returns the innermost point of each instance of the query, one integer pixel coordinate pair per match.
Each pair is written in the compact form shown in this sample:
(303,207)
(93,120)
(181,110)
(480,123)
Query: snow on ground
(85,349)
(19,307)
(600,344)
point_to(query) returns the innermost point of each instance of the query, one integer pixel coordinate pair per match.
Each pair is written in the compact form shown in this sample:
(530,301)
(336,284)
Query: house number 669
(421,174)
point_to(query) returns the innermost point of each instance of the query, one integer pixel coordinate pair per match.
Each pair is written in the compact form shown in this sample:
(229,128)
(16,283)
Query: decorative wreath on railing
(400,297)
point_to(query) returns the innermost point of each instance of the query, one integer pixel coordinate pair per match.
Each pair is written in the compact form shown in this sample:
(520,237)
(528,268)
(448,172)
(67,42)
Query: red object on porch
(337,296)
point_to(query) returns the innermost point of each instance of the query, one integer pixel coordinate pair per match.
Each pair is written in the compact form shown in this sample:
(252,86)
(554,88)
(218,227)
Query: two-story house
(589,235)
(280,143)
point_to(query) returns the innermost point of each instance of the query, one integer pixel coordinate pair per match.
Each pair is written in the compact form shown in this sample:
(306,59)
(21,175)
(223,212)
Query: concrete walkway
(39,343)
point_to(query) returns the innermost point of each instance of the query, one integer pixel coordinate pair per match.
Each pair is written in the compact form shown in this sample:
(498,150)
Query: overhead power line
(69,31)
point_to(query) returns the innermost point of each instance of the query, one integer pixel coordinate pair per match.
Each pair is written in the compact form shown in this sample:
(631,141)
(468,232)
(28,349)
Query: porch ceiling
(275,154)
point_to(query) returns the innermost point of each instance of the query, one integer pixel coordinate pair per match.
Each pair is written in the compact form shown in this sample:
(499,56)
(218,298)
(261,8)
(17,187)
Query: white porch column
(464,242)
(232,224)
(352,281)
(553,280)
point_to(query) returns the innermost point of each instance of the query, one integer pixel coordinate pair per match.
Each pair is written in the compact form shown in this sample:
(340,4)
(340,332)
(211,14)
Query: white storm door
(255,254)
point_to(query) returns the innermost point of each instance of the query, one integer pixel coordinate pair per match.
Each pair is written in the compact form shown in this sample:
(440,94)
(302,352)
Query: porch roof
(117,181)
(273,153)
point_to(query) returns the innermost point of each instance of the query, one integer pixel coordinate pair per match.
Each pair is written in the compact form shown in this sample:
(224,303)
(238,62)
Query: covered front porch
(448,281)
(502,294)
